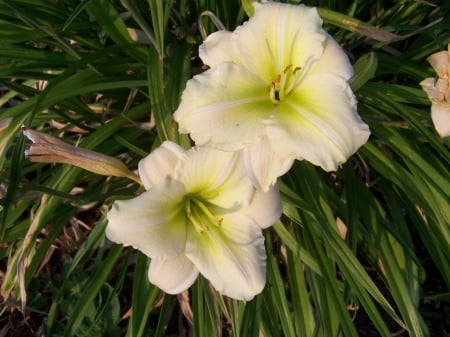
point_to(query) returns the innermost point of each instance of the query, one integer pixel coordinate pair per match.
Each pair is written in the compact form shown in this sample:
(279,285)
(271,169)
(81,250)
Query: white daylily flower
(438,91)
(277,88)
(200,214)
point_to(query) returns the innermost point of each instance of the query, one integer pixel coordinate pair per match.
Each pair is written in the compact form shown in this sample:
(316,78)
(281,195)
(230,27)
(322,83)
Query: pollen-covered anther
(283,84)
(200,216)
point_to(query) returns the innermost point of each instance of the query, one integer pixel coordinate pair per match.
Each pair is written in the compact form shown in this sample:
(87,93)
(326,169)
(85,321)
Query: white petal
(153,222)
(440,114)
(216,176)
(278,35)
(172,275)
(160,163)
(216,48)
(318,122)
(265,208)
(263,165)
(232,257)
(333,60)
(223,107)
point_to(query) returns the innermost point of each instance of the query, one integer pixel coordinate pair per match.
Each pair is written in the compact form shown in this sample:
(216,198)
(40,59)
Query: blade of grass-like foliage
(251,319)
(86,249)
(425,181)
(92,288)
(276,292)
(435,242)
(62,110)
(303,317)
(403,285)
(212,300)
(163,119)
(27,17)
(199,324)
(204,319)
(236,311)
(30,55)
(90,81)
(270,325)
(349,266)
(75,13)
(375,219)
(386,99)
(165,89)
(430,239)
(365,68)
(16,33)
(82,82)
(180,72)
(390,256)
(143,297)
(13,183)
(334,316)
(135,13)
(163,316)
(160,16)
(295,247)
(358,26)
(104,13)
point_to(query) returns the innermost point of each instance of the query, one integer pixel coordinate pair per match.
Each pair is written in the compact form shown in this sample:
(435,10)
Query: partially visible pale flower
(200,214)
(438,91)
(277,88)
(48,149)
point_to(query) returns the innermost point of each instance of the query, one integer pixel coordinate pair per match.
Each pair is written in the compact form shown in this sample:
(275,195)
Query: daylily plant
(200,213)
(277,89)
(438,91)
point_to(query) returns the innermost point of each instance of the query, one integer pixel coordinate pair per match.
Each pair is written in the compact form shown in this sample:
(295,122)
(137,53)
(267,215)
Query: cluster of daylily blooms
(276,91)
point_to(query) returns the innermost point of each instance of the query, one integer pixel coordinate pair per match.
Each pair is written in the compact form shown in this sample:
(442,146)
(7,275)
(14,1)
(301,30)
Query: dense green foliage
(70,68)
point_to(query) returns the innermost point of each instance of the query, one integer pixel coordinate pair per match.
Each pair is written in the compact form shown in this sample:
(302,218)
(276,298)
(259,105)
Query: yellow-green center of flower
(201,216)
(283,84)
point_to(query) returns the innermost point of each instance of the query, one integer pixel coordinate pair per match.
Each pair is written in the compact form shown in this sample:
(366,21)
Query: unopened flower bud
(48,149)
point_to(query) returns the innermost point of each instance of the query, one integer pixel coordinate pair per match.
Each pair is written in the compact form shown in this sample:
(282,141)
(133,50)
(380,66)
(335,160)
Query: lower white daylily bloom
(200,214)
(277,88)
(438,91)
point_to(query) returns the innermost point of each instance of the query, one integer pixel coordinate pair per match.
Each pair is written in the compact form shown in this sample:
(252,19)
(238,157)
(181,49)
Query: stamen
(200,216)
(283,84)
(293,79)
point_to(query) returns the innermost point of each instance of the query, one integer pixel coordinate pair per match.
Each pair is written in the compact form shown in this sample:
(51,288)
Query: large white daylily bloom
(200,214)
(438,91)
(277,88)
